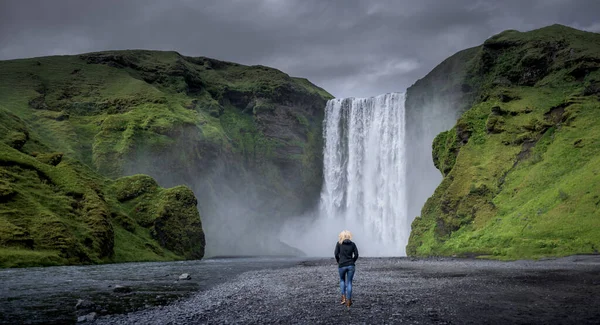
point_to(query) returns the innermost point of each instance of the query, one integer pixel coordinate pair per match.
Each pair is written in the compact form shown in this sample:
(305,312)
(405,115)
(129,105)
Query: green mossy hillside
(55,210)
(521,166)
(105,108)
(184,120)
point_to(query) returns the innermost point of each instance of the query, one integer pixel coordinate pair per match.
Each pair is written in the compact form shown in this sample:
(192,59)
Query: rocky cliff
(245,139)
(520,166)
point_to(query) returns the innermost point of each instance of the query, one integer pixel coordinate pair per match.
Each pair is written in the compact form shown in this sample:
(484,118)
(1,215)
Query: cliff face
(224,130)
(433,104)
(519,167)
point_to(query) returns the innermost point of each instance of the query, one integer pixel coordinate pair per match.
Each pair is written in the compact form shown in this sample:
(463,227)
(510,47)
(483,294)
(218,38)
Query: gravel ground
(50,295)
(396,291)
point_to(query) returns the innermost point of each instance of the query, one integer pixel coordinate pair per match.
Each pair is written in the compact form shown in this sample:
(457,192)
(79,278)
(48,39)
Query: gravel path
(397,291)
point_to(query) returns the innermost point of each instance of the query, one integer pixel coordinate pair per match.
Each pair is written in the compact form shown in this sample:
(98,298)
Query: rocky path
(397,291)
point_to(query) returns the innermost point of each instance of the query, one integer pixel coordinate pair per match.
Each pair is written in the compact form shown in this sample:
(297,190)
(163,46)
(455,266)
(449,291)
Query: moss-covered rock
(177,225)
(130,187)
(518,180)
(17,139)
(53,158)
(171,214)
(6,190)
(445,149)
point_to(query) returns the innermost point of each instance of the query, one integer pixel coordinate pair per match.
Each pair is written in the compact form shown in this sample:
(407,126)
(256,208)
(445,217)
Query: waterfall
(365,172)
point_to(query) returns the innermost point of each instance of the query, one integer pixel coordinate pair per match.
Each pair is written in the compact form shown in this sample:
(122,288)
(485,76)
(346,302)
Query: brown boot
(348,303)
(343,300)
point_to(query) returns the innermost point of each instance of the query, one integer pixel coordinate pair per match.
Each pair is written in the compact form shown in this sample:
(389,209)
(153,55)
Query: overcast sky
(349,47)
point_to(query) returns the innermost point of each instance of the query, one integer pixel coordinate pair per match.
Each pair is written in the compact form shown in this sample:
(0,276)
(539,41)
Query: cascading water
(365,172)
(364,187)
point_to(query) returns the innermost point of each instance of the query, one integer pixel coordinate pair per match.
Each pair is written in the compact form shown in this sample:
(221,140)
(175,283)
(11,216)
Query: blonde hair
(346,234)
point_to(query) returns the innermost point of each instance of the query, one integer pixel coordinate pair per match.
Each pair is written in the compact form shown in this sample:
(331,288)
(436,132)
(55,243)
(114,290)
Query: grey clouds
(349,47)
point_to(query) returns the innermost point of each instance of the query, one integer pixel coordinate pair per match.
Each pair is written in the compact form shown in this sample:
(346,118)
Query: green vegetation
(521,175)
(171,215)
(72,126)
(68,214)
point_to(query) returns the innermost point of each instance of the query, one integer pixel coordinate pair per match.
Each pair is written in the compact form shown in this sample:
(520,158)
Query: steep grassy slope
(55,210)
(223,129)
(521,165)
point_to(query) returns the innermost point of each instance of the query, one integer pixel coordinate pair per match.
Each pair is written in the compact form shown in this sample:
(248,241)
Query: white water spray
(364,178)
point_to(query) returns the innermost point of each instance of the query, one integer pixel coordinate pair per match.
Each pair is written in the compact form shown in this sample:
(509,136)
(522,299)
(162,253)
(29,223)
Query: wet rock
(122,289)
(185,276)
(91,317)
(87,318)
(84,304)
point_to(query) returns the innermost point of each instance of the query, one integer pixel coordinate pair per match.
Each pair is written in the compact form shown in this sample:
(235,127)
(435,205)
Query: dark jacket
(346,254)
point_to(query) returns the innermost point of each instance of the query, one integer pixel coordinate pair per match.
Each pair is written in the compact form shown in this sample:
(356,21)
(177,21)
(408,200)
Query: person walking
(346,255)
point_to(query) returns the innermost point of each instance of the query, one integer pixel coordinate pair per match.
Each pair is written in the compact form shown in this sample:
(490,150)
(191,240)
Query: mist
(315,233)
(244,214)
(316,236)
(364,187)
(424,123)
(241,210)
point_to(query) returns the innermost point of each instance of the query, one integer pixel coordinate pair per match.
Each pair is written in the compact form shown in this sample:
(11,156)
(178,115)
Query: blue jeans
(346,275)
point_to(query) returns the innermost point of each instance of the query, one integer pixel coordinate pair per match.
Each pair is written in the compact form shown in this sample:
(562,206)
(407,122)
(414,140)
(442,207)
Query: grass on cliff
(55,210)
(521,176)
(543,197)
(67,122)
(509,203)
(64,214)
(104,108)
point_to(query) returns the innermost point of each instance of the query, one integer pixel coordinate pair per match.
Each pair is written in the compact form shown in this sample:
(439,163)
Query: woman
(346,255)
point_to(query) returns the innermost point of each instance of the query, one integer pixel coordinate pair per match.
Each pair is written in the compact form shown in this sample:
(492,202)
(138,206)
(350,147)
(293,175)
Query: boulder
(122,289)
(87,318)
(84,304)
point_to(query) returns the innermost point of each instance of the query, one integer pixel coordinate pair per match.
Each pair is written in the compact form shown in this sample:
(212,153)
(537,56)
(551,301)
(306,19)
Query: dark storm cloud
(349,47)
